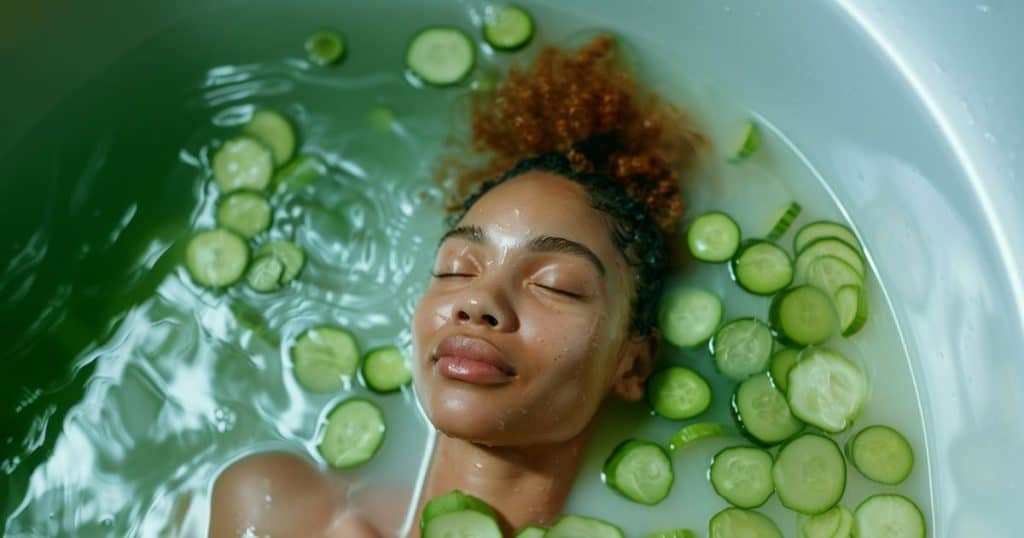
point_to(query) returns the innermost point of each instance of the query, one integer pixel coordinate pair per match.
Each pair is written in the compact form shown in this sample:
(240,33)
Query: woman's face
(523,330)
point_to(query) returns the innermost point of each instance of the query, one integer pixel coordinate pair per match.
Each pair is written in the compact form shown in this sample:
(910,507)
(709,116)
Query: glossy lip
(468,350)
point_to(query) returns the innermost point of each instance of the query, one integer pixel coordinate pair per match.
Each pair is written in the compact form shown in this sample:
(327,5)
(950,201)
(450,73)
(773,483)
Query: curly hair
(581,116)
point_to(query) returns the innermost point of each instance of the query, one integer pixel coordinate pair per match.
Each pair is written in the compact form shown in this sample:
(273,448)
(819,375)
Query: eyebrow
(543,243)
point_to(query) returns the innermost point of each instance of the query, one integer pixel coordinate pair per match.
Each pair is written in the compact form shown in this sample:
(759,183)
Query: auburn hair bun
(584,105)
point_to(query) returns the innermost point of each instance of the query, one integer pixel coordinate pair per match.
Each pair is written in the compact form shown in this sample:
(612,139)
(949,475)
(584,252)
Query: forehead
(542,203)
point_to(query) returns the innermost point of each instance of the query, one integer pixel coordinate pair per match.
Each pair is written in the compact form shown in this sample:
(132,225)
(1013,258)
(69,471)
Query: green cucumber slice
(782,363)
(742,348)
(325,47)
(302,171)
(246,213)
(829,246)
(459,514)
(823,525)
(640,471)
(713,237)
(355,430)
(889,516)
(507,28)
(821,229)
(852,303)
(275,132)
(323,357)
(748,142)
(802,316)
(531,532)
(673,533)
(265,274)
(242,164)
(762,268)
(742,475)
(386,369)
(762,412)
(846,523)
(826,390)
(678,393)
(440,56)
(689,316)
(785,220)
(736,523)
(571,526)
(810,474)
(290,255)
(881,454)
(216,258)
(695,432)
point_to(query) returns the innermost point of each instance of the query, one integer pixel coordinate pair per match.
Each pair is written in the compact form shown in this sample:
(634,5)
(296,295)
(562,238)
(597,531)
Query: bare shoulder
(281,494)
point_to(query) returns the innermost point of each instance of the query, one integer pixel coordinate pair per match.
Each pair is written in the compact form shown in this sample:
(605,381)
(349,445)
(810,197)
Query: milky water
(186,379)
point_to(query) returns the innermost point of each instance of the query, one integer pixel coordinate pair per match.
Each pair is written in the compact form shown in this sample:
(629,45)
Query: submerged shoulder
(280,494)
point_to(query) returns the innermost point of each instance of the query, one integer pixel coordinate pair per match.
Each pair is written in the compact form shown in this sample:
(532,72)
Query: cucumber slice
(678,393)
(386,370)
(821,229)
(846,523)
(881,454)
(673,533)
(325,47)
(216,258)
(246,213)
(531,532)
(695,432)
(323,357)
(762,268)
(640,471)
(458,514)
(713,237)
(242,163)
(823,525)
(265,274)
(826,389)
(742,348)
(742,475)
(275,132)
(889,516)
(829,273)
(290,255)
(748,142)
(852,304)
(355,430)
(785,220)
(295,175)
(570,526)
(440,56)
(802,316)
(810,474)
(829,246)
(762,412)
(735,523)
(782,363)
(689,316)
(507,28)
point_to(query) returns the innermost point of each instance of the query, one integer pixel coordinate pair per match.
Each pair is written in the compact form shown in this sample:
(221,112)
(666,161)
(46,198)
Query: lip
(472,360)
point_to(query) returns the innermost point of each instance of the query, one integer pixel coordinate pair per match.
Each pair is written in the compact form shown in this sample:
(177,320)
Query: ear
(635,366)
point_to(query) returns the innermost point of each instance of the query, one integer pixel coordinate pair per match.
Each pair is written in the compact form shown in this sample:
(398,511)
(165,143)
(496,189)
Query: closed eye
(450,275)
(560,291)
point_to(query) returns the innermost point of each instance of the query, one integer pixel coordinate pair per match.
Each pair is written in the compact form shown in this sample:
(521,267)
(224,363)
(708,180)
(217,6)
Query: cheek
(572,356)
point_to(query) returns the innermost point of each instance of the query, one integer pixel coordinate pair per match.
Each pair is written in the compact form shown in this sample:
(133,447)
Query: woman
(542,302)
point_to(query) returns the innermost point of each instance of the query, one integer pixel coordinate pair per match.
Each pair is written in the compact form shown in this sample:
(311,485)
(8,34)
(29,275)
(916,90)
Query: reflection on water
(193,378)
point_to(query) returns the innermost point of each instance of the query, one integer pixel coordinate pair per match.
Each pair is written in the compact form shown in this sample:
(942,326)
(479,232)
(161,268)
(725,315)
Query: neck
(526,485)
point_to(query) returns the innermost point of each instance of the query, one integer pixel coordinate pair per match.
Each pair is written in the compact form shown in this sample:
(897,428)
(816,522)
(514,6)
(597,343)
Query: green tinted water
(135,386)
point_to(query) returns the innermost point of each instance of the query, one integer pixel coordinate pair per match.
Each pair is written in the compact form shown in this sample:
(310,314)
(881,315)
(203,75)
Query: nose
(486,306)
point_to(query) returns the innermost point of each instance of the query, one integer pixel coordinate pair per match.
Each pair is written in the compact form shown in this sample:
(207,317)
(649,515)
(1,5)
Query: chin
(475,414)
